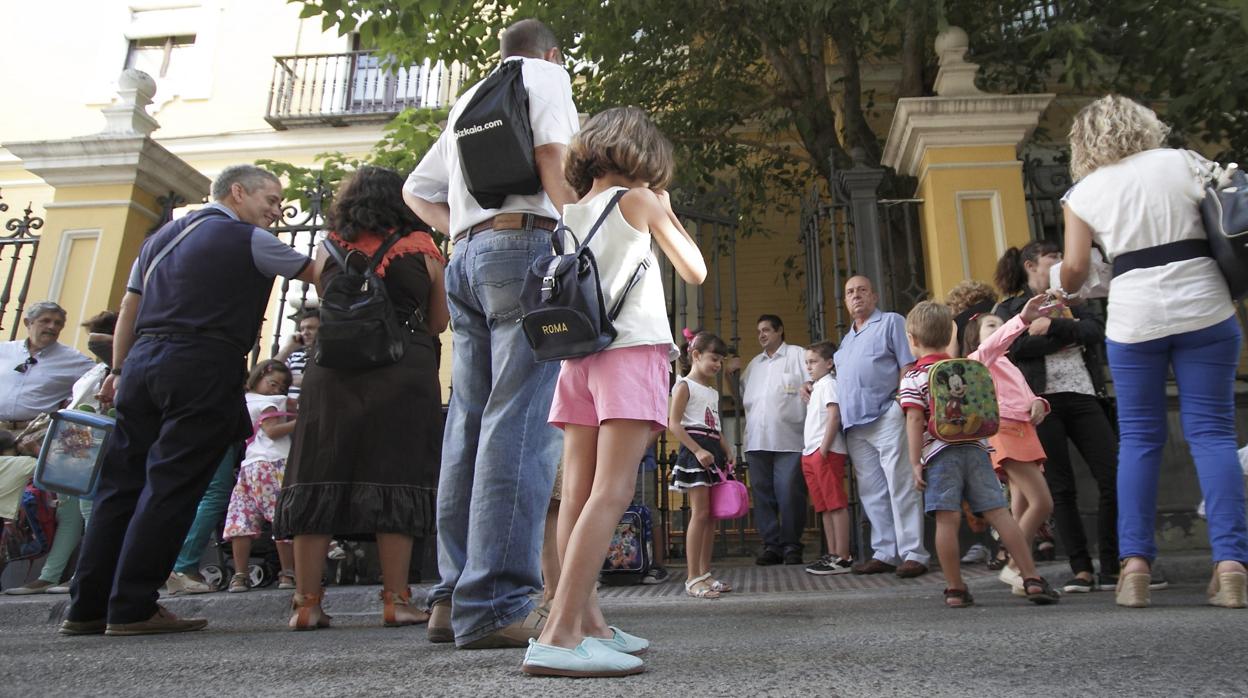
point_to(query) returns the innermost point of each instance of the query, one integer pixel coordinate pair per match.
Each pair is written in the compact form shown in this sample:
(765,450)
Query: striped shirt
(296,362)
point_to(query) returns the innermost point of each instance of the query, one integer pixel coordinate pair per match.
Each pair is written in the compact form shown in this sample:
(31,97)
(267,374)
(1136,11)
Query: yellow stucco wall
(974,209)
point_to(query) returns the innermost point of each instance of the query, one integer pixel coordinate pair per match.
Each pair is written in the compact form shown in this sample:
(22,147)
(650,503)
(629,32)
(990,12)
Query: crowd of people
(327,451)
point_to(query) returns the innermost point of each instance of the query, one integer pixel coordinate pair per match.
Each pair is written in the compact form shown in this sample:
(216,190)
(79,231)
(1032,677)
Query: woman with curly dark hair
(367,446)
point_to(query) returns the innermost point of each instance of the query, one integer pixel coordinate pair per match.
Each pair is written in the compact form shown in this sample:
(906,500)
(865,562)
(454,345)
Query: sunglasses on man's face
(25,365)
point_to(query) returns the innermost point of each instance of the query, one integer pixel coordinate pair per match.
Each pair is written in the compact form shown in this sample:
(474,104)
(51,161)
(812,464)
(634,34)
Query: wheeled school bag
(630,554)
(495,139)
(564,309)
(359,326)
(963,401)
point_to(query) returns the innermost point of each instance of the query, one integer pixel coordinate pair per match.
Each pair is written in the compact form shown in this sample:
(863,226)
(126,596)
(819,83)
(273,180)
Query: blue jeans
(211,508)
(499,453)
(962,472)
(779,499)
(1204,364)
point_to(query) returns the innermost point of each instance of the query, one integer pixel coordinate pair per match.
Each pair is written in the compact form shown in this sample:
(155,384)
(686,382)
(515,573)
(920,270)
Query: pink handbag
(729,497)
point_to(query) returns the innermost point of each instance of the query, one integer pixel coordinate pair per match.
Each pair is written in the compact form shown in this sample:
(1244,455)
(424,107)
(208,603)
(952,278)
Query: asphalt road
(879,641)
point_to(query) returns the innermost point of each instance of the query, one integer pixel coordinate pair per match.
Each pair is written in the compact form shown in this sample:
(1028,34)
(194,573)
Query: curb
(45,610)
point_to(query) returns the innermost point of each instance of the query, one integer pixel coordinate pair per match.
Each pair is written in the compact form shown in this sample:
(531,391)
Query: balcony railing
(342,88)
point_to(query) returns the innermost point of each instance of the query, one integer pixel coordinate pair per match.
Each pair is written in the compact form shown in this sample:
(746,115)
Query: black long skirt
(366,450)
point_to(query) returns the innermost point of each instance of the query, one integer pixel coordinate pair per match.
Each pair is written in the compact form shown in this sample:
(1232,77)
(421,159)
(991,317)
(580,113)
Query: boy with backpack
(949,453)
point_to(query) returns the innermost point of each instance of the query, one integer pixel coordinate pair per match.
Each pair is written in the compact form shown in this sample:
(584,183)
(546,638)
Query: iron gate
(841,231)
(21,239)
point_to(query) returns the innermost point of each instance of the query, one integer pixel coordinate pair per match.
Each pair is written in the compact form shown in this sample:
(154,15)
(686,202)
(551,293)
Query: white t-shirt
(702,410)
(1145,200)
(618,249)
(438,177)
(771,389)
(87,386)
(264,448)
(821,395)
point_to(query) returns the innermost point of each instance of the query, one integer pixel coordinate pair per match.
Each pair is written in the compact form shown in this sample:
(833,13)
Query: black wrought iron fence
(18,249)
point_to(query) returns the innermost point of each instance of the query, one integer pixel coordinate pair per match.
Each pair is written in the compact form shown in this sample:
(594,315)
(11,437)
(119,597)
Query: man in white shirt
(775,416)
(498,453)
(37,373)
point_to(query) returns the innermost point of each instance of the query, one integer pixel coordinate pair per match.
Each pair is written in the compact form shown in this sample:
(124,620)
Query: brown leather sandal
(307,613)
(392,602)
(959,598)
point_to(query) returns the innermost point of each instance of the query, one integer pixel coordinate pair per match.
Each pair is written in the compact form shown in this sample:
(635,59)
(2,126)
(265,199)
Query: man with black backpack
(193,305)
(494,183)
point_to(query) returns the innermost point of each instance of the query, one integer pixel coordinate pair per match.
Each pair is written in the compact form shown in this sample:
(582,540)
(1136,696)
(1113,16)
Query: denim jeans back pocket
(497,277)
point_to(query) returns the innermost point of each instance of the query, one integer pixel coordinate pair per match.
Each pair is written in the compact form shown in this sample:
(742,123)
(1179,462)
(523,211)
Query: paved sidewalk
(782,633)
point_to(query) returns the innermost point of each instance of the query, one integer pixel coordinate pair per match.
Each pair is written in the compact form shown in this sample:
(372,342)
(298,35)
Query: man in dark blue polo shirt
(192,310)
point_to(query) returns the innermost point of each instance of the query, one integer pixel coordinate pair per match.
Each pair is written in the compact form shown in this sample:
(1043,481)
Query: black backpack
(359,327)
(565,314)
(495,139)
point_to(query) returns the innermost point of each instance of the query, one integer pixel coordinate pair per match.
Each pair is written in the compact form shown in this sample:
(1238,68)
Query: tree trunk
(858,133)
(913,51)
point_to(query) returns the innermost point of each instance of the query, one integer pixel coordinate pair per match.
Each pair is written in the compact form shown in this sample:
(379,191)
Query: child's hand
(807,389)
(919,482)
(704,457)
(1038,411)
(1031,310)
(665,199)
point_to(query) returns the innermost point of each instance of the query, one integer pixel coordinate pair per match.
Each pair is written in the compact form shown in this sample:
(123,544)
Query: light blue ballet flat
(621,641)
(590,659)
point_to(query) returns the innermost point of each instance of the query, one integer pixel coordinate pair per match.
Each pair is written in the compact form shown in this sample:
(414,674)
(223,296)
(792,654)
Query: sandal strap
(304,600)
(693,582)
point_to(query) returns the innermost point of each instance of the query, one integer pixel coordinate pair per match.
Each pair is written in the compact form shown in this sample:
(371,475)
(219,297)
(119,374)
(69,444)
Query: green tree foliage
(764,98)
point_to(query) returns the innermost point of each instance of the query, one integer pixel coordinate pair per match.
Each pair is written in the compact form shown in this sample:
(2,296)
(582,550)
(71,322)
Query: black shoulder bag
(565,313)
(359,326)
(495,139)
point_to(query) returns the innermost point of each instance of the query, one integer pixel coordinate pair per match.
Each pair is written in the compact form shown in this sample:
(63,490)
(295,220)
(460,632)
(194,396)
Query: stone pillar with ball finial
(962,145)
(110,191)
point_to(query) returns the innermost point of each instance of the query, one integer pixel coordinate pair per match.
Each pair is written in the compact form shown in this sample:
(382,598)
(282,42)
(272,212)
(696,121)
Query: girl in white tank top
(609,404)
(704,454)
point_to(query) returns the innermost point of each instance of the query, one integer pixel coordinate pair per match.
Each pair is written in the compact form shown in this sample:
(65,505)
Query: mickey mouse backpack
(962,405)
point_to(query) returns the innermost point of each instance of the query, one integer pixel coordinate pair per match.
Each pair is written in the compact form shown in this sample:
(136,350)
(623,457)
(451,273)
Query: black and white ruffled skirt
(688,472)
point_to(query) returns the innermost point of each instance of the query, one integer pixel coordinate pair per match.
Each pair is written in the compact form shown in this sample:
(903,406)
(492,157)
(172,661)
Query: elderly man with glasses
(37,373)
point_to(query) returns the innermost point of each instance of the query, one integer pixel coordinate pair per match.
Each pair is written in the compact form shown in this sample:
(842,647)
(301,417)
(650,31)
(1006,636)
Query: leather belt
(509,221)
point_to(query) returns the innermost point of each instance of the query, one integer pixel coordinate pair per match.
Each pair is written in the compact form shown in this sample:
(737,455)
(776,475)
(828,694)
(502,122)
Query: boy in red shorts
(823,461)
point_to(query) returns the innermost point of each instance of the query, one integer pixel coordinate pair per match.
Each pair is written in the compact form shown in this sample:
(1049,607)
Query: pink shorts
(628,383)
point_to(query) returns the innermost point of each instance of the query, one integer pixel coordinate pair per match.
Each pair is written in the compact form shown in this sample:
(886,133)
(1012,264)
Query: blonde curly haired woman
(1169,308)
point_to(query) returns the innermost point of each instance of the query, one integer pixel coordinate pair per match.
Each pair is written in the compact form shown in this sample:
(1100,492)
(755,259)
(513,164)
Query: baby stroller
(263,565)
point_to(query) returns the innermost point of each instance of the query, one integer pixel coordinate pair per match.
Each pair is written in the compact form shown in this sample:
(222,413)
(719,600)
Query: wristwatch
(115,371)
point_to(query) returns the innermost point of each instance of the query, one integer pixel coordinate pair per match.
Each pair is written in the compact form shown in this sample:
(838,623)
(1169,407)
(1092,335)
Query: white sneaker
(182,583)
(1011,576)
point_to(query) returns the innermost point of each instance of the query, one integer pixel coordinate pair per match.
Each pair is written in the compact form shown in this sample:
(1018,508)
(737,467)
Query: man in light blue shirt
(869,364)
